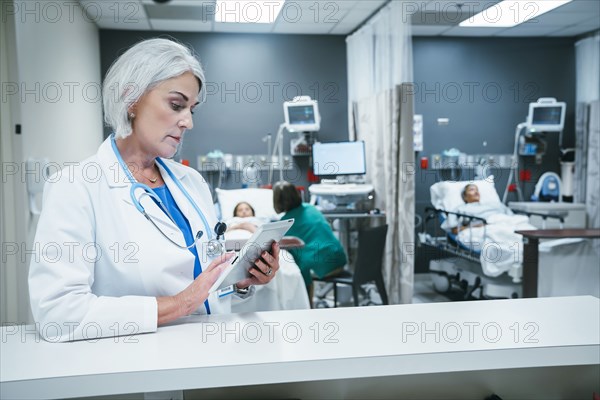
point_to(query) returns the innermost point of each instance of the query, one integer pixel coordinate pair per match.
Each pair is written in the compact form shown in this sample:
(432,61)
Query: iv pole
(514,170)
(278,146)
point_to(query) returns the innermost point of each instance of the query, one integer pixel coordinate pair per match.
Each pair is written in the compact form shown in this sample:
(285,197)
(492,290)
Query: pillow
(447,195)
(260,199)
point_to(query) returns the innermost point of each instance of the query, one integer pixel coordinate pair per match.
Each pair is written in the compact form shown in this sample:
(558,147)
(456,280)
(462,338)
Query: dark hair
(239,204)
(285,197)
(464,191)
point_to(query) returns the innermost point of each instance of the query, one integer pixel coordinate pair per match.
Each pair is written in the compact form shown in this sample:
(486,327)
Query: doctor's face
(164,113)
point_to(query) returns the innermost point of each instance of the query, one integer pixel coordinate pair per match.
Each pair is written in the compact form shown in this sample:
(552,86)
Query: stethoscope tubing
(148,191)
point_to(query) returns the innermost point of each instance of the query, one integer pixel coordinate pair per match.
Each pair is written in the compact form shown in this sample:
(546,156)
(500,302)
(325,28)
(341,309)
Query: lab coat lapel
(188,210)
(183,203)
(120,184)
(111,169)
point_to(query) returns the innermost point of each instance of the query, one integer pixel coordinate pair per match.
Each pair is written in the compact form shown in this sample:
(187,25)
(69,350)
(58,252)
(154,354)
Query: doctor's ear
(131,112)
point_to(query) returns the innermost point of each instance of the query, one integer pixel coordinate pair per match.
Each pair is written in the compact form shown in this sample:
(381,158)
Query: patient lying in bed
(501,248)
(244,217)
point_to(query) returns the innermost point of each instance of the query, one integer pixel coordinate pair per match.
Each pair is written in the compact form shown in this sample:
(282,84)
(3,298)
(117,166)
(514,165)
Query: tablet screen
(260,241)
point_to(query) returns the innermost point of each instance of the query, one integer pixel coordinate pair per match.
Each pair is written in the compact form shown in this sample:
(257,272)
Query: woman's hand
(188,300)
(265,268)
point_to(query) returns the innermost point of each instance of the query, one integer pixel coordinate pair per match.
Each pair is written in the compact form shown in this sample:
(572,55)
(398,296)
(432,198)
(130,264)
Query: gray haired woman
(145,225)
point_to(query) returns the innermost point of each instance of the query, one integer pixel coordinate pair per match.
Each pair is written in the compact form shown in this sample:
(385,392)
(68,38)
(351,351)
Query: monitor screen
(340,158)
(546,116)
(302,115)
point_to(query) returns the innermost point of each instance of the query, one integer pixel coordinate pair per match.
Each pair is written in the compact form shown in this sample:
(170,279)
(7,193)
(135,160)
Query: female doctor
(128,237)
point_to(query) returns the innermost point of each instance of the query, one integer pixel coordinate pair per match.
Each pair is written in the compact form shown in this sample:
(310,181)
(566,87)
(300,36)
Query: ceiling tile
(242,28)
(475,32)
(445,6)
(368,4)
(343,29)
(203,12)
(336,17)
(424,30)
(527,31)
(306,13)
(109,23)
(331,5)
(587,6)
(355,17)
(120,11)
(309,29)
(178,25)
(558,19)
(182,2)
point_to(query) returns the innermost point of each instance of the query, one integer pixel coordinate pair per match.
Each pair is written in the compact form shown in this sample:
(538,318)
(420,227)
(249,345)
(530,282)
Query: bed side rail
(434,212)
(556,215)
(454,248)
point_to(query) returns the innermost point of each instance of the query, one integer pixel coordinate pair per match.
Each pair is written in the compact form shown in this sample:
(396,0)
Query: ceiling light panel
(509,13)
(248,11)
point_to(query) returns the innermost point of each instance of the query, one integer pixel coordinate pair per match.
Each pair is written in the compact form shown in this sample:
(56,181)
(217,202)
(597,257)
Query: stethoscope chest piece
(216,247)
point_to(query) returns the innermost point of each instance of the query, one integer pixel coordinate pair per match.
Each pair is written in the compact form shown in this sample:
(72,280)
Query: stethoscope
(214,246)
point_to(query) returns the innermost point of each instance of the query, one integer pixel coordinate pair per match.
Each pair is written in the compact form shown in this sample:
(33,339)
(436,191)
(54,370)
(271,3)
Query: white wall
(53,92)
(54,57)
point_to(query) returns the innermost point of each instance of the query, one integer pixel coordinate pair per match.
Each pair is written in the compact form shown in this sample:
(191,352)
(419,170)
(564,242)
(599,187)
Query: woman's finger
(260,276)
(223,258)
(263,266)
(275,250)
(268,258)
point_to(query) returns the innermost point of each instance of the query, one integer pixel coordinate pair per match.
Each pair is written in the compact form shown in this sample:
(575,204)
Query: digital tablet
(241,263)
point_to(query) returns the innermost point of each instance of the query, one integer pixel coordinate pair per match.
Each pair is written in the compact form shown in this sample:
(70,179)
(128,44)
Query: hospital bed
(457,268)
(287,290)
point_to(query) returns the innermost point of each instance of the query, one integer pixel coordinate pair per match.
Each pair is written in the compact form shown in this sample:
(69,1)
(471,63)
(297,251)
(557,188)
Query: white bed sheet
(501,248)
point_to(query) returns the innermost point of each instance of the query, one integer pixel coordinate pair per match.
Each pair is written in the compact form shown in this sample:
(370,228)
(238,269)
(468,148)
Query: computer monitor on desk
(339,158)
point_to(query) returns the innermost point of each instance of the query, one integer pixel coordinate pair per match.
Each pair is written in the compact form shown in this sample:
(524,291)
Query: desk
(444,350)
(345,219)
(531,239)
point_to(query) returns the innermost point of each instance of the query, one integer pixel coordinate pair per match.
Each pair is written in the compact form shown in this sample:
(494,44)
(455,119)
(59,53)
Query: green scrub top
(322,252)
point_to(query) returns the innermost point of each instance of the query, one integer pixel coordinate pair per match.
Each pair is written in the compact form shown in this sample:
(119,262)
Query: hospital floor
(423,293)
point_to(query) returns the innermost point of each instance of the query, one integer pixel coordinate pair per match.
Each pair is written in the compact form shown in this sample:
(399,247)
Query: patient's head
(470,193)
(243,209)
(285,197)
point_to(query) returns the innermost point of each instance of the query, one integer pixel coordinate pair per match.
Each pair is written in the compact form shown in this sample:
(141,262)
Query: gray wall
(484,85)
(249,77)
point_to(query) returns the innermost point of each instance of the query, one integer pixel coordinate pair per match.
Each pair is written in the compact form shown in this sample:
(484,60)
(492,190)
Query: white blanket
(501,248)
(258,221)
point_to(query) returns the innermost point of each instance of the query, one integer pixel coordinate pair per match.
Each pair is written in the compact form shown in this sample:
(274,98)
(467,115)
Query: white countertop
(341,189)
(540,206)
(296,346)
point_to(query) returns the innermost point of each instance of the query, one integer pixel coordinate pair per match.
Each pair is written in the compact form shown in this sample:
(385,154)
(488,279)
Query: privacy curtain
(380,109)
(592,195)
(587,150)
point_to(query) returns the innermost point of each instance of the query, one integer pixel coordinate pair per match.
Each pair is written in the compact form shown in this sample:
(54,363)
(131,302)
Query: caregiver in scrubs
(127,237)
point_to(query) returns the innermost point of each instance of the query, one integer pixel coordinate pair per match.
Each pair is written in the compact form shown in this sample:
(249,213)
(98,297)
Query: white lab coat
(99,264)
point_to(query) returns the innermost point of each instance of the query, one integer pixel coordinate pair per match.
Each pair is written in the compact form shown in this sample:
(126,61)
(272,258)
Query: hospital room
(300,199)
